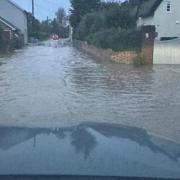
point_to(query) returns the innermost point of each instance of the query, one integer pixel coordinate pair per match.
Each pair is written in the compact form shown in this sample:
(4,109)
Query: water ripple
(65,86)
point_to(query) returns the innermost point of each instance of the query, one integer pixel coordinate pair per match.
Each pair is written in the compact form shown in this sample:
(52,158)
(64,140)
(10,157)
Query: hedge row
(117,40)
(112,28)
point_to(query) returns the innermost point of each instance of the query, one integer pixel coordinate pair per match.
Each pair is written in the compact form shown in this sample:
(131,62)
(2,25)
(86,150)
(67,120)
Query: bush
(139,60)
(117,40)
(118,17)
(63,32)
(79,8)
(91,23)
(19,42)
(112,27)
(2,42)
(113,17)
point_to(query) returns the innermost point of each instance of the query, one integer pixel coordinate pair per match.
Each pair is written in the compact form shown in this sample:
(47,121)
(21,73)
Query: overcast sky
(43,8)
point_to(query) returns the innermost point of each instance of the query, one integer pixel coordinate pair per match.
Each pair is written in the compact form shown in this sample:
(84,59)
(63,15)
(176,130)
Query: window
(168,6)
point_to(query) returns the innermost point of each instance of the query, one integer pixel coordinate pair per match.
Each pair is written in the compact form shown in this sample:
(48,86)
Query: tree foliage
(118,17)
(33,26)
(42,30)
(79,8)
(112,26)
(117,40)
(90,23)
(112,16)
(60,16)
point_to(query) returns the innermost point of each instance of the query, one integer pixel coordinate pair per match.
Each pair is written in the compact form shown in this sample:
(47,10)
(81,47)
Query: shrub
(2,42)
(113,17)
(139,60)
(79,8)
(90,23)
(117,40)
(111,28)
(19,42)
(118,17)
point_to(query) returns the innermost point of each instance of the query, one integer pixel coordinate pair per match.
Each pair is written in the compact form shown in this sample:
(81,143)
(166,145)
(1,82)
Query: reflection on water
(87,149)
(83,141)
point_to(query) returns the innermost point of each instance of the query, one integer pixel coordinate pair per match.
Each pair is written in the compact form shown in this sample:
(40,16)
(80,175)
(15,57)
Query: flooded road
(59,87)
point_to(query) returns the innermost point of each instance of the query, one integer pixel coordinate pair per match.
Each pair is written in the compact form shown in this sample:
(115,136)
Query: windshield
(90,88)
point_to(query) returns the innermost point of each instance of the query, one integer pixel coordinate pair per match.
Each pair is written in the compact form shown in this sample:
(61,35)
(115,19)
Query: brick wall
(124,57)
(97,53)
(148,36)
(147,54)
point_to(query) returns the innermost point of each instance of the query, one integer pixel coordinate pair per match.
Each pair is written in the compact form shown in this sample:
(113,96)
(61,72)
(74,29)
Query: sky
(43,8)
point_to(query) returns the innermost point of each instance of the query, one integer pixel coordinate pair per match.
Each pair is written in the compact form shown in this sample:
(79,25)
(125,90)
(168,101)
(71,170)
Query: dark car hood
(88,149)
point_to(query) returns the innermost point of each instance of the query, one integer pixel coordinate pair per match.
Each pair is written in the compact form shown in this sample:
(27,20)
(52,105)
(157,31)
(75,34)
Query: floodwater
(49,87)
(62,112)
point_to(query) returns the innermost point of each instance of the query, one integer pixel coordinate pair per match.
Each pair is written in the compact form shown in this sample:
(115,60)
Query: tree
(110,16)
(119,17)
(46,29)
(90,23)
(138,4)
(55,27)
(43,30)
(79,8)
(34,26)
(60,16)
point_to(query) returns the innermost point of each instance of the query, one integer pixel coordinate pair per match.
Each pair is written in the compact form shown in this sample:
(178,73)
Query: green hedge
(117,40)
(111,28)
(91,23)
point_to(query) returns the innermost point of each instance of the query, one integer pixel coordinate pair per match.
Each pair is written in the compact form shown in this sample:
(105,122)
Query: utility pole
(33,8)
(33,18)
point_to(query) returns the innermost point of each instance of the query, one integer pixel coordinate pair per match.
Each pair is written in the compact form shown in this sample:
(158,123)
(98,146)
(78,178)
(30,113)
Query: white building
(164,14)
(14,15)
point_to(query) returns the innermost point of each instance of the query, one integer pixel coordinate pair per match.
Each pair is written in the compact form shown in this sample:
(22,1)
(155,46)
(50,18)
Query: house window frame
(168,6)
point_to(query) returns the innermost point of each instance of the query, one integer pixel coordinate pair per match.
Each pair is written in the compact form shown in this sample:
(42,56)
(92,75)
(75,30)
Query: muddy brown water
(58,87)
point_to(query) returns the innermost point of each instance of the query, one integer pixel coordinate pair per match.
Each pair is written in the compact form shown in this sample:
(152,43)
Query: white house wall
(15,16)
(167,23)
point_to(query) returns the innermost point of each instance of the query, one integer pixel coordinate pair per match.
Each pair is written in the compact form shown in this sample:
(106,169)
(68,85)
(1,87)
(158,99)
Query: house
(14,17)
(9,30)
(163,14)
(8,35)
